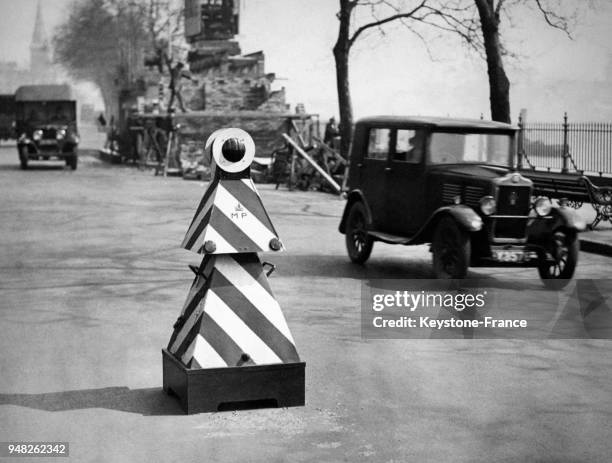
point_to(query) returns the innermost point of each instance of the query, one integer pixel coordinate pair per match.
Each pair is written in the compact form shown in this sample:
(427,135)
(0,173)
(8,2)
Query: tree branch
(553,19)
(498,8)
(380,22)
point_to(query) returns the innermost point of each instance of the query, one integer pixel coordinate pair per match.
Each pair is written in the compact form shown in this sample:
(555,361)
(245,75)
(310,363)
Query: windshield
(51,112)
(487,148)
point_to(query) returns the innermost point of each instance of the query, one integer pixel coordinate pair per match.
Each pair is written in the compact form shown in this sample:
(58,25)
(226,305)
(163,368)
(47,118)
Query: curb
(596,247)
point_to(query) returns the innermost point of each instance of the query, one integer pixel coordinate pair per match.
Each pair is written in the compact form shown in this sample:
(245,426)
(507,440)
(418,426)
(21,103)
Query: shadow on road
(54,165)
(148,401)
(316,265)
(5,167)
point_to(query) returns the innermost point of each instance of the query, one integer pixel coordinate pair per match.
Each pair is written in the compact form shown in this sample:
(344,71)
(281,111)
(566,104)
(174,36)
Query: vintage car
(46,124)
(452,183)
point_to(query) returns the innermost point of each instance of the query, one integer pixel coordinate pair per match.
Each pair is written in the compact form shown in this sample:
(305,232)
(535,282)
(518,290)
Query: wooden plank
(339,158)
(297,132)
(330,150)
(318,168)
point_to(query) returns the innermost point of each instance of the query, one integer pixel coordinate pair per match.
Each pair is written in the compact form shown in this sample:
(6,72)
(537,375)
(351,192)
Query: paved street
(92,280)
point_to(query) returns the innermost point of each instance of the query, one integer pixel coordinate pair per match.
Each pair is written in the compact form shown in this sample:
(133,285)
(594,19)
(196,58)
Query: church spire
(39,38)
(40,52)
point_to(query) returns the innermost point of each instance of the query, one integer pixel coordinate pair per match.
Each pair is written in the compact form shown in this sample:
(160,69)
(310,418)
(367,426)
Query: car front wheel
(564,250)
(358,243)
(451,250)
(23,158)
(72,161)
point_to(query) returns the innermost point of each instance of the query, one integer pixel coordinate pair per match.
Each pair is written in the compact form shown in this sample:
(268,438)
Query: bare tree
(491,13)
(499,85)
(476,22)
(105,41)
(443,15)
(165,27)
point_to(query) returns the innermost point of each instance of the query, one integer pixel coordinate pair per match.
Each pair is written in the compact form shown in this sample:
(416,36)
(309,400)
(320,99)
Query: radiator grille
(49,133)
(513,200)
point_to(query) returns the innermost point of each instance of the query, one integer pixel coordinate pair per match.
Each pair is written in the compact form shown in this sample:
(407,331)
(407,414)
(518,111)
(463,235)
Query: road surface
(92,280)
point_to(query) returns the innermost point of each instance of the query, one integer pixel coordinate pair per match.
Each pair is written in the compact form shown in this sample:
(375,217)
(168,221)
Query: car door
(405,182)
(373,172)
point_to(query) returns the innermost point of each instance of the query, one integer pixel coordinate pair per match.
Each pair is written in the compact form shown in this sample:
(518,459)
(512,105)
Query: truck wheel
(564,249)
(23,158)
(72,161)
(358,243)
(451,250)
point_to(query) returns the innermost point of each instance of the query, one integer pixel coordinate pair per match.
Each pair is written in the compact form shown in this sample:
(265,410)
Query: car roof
(436,122)
(44,93)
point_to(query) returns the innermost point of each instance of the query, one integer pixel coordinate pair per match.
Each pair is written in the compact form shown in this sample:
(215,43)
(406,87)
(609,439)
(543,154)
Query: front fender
(464,215)
(539,229)
(566,217)
(354,196)
(27,143)
(24,141)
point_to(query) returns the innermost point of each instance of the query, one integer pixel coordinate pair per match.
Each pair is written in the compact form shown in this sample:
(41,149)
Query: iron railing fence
(583,147)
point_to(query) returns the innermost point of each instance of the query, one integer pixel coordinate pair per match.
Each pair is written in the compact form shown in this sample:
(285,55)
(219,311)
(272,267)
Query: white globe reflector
(221,136)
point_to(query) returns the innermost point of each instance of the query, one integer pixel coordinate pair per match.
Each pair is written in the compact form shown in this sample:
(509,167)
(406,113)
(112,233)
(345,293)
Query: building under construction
(231,89)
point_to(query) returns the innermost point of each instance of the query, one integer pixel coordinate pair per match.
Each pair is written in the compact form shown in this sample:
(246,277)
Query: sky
(394,73)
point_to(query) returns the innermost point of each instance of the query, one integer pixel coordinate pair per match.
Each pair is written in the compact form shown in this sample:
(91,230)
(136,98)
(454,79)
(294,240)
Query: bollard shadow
(148,401)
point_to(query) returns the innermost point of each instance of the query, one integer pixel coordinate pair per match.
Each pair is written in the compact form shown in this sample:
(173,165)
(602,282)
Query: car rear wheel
(451,250)
(358,243)
(564,250)
(23,158)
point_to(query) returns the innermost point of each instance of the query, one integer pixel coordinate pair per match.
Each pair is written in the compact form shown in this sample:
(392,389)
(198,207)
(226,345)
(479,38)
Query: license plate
(47,142)
(509,256)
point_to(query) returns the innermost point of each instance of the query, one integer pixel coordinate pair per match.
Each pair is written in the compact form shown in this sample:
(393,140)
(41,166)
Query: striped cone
(231,218)
(231,342)
(231,318)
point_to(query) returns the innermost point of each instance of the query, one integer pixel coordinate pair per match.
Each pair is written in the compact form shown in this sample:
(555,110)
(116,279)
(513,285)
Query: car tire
(72,161)
(450,249)
(358,243)
(564,249)
(23,158)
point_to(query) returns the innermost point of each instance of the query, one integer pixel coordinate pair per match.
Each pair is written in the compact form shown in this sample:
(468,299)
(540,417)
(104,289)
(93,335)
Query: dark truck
(7,117)
(46,124)
(453,183)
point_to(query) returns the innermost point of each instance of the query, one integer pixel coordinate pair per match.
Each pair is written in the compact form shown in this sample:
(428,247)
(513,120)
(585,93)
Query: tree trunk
(341,56)
(499,85)
(110,96)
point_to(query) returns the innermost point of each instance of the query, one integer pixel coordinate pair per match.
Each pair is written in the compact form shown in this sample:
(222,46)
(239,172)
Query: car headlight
(37,135)
(487,205)
(542,206)
(60,134)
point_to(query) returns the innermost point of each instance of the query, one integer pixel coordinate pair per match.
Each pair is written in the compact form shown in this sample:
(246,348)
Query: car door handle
(387,169)
(360,165)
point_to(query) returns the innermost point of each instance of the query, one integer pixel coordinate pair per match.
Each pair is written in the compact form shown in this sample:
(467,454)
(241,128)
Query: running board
(390,239)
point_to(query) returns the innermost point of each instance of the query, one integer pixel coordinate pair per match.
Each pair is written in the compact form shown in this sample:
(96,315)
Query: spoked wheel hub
(358,242)
(558,267)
